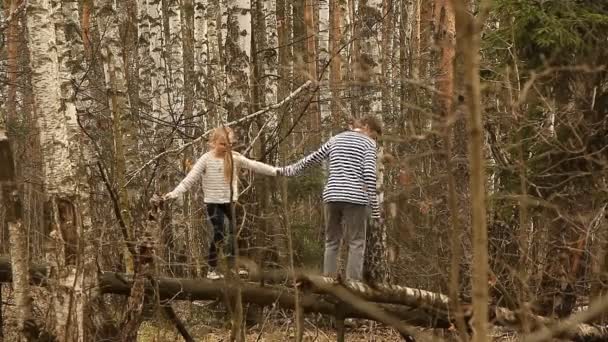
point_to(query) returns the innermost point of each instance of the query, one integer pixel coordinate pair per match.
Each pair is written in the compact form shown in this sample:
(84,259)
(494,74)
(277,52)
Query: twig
(117,211)
(204,135)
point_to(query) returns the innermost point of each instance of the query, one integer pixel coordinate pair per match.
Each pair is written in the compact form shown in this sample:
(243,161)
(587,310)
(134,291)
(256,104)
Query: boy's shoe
(243,272)
(214,275)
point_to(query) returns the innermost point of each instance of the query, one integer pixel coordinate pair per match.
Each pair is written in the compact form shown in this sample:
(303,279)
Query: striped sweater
(352,169)
(210,169)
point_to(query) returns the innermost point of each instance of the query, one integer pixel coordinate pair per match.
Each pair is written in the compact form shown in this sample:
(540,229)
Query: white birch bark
(85,288)
(324,57)
(270,60)
(369,61)
(215,82)
(201,57)
(238,57)
(59,170)
(53,41)
(175,63)
(144,55)
(160,101)
(72,69)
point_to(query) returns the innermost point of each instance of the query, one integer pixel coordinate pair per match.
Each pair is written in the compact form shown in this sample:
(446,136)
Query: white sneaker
(243,272)
(214,275)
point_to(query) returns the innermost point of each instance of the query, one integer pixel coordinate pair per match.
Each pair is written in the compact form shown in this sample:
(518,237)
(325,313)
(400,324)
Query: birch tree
(366,66)
(325,93)
(52,61)
(215,82)
(145,61)
(237,44)
(201,47)
(12,213)
(174,53)
(160,97)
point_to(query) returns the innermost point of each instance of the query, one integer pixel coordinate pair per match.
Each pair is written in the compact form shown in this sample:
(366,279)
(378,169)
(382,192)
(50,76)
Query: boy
(349,193)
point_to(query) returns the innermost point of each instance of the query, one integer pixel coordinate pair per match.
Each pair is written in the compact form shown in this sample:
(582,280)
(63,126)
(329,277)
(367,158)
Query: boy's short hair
(373,123)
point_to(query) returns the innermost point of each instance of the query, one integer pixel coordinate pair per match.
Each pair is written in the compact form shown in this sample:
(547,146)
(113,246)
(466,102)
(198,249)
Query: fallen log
(204,289)
(379,293)
(435,304)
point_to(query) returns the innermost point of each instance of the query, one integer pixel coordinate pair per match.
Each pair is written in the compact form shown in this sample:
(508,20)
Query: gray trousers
(354,217)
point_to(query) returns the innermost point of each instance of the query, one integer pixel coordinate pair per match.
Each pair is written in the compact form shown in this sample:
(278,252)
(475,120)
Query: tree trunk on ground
(413,306)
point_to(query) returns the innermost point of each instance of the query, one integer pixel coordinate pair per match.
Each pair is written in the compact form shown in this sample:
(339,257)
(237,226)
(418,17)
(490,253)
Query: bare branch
(204,135)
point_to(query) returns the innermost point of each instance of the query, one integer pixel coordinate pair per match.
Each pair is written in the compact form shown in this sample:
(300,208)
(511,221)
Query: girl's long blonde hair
(227,134)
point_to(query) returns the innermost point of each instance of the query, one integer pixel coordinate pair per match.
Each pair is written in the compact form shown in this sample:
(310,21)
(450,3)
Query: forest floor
(210,323)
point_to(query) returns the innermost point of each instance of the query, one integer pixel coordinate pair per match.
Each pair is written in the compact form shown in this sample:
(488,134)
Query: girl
(217,169)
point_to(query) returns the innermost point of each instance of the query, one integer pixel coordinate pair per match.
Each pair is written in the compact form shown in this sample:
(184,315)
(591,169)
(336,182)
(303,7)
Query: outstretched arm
(255,166)
(369,177)
(312,159)
(191,178)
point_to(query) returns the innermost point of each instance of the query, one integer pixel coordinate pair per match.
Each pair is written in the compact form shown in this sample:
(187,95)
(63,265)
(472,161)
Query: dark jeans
(216,213)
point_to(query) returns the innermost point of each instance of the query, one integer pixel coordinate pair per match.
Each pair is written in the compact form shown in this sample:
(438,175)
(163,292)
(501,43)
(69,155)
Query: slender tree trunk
(201,53)
(12,48)
(367,66)
(145,61)
(87,6)
(12,38)
(129,26)
(17,238)
(72,66)
(160,100)
(190,80)
(336,12)
(174,54)
(386,54)
(215,81)
(125,147)
(284,25)
(468,31)
(325,93)
(310,60)
(446,30)
(238,73)
(238,57)
(367,74)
